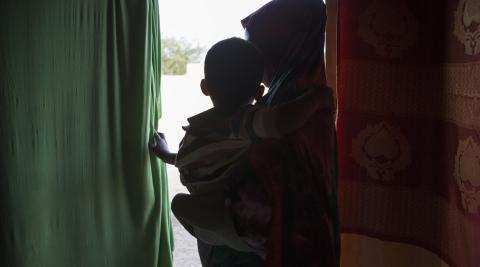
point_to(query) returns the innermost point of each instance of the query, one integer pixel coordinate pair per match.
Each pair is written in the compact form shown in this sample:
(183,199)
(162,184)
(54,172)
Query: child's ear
(259,95)
(203,86)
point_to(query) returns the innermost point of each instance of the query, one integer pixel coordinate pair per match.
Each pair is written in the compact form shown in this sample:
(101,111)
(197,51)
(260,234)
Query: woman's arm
(160,149)
(288,117)
(285,118)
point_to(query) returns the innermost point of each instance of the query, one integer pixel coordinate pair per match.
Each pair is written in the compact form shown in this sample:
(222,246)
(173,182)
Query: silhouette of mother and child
(262,177)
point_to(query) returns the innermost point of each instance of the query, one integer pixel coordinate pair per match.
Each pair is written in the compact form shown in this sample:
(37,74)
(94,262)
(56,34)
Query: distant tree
(177,53)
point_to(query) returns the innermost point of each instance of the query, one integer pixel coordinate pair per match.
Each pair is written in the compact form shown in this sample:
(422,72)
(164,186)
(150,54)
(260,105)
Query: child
(216,138)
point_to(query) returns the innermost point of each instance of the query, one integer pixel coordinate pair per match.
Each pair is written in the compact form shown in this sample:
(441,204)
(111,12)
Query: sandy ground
(181,98)
(185,253)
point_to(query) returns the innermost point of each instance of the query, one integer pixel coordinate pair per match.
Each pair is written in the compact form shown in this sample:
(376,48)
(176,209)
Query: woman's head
(290,34)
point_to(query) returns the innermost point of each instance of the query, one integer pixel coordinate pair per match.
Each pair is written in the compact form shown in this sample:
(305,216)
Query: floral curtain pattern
(409,131)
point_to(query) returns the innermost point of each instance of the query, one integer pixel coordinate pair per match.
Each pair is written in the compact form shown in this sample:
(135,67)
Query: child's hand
(160,148)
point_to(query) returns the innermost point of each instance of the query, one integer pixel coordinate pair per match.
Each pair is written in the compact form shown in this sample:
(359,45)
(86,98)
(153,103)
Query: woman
(288,204)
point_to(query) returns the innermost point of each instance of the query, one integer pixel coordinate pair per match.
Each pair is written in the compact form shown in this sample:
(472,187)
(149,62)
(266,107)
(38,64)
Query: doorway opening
(189,29)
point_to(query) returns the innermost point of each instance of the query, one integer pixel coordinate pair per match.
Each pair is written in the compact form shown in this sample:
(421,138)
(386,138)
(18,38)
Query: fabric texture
(209,148)
(295,179)
(207,152)
(408,131)
(79,100)
(212,144)
(223,256)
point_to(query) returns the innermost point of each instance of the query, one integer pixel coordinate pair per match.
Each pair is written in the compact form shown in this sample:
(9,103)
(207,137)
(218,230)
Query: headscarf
(291,35)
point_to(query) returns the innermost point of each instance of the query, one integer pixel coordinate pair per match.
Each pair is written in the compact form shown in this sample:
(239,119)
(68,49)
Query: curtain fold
(409,132)
(79,100)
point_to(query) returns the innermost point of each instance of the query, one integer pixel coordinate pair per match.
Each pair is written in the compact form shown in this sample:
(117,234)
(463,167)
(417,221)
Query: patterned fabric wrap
(408,124)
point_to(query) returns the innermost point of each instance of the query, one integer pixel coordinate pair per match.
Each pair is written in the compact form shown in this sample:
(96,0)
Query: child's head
(233,73)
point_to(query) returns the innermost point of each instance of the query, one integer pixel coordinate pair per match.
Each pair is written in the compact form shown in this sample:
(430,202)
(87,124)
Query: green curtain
(79,101)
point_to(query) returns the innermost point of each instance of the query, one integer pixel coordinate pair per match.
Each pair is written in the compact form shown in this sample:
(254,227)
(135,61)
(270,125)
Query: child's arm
(160,149)
(285,118)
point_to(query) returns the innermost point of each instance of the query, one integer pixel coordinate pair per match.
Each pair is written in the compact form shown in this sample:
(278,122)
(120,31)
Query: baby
(215,139)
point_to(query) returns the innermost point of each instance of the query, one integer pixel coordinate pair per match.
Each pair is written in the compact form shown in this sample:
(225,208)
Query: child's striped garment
(213,142)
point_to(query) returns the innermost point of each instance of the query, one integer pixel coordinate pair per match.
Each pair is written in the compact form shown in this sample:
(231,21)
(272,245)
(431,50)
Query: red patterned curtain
(409,132)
